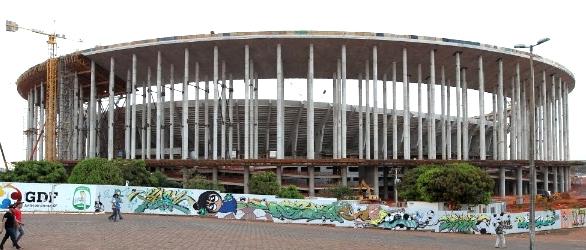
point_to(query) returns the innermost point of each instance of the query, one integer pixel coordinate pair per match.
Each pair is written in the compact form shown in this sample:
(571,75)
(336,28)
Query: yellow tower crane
(51,93)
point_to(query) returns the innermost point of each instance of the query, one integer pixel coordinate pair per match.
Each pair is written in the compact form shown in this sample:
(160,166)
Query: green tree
(339,192)
(133,171)
(408,185)
(37,172)
(264,183)
(158,179)
(96,171)
(455,184)
(290,192)
(201,182)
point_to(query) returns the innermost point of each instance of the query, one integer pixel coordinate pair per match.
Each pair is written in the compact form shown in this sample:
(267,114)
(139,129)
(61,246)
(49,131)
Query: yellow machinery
(366,195)
(51,93)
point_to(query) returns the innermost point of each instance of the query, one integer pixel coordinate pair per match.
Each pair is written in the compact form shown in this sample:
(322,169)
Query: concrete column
(448,123)
(133,111)
(551,119)
(74,118)
(310,122)
(111,111)
(406,112)
(185,108)
(465,139)
(344,128)
(196,116)
(519,185)
(224,113)
(544,124)
(246,101)
(127,113)
(148,114)
(502,179)
(501,122)
(545,178)
(375,109)
(562,179)
(554,119)
(419,116)
(564,121)
(566,124)
(394,112)
(92,111)
(280,113)
(513,120)
(560,121)
(385,119)
(481,113)
(80,134)
(231,117)
(443,118)
(251,111)
(255,147)
(143,123)
(335,117)
(207,120)
(432,151)
(367,106)
(338,93)
(42,121)
(215,122)
(495,154)
(556,187)
(159,107)
(29,135)
(458,110)
(518,113)
(360,120)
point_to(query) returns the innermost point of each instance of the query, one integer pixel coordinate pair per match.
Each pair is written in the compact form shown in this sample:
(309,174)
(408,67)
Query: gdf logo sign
(40,196)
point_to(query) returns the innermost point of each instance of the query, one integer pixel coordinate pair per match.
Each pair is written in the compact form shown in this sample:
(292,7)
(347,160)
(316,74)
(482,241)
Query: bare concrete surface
(176,232)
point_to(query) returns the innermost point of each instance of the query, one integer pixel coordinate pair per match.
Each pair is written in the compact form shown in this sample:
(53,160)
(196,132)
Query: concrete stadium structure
(112,103)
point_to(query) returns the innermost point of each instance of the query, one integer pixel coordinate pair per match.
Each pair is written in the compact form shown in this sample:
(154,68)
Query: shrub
(201,182)
(264,183)
(36,171)
(408,186)
(96,171)
(158,179)
(339,192)
(454,183)
(133,171)
(290,192)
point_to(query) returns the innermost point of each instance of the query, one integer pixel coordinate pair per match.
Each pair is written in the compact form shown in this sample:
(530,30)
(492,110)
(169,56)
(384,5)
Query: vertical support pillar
(465,139)
(375,111)
(246,104)
(111,110)
(502,179)
(419,116)
(92,111)
(360,120)
(458,110)
(133,111)
(206,119)
(432,146)
(344,169)
(159,107)
(367,106)
(230,117)
(385,119)
(495,146)
(148,114)
(443,118)
(545,124)
(215,121)
(556,187)
(223,134)
(185,107)
(42,122)
(172,112)
(29,122)
(394,113)
(143,123)
(448,122)
(80,133)
(481,104)
(501,116)
(546,178)
(560,122)
(518,124)
(74,118)
(310,122)
(196,116)
(562,179)
(519,185)
(127,114)
(566,124)
(280,108)
(406,112)
(255,144)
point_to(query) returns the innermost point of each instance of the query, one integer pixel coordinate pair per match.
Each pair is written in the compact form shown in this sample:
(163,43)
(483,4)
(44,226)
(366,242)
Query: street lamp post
(533,182)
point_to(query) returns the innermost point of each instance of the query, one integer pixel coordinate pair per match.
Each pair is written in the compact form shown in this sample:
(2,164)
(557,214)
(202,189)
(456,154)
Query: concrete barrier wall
(209,203)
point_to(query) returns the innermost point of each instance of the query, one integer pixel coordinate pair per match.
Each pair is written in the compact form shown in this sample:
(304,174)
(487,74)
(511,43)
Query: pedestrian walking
(500,236)
(18,217)
(119,206)
(115,208)
(10,226)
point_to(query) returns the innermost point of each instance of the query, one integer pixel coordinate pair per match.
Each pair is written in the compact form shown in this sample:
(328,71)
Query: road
(66,231)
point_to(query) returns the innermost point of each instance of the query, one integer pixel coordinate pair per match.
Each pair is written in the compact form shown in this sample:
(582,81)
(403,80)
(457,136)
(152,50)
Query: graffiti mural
(542,220)
(162,200)
(578,217)
(10,193)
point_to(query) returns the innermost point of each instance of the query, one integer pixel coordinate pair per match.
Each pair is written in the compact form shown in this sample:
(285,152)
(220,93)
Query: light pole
(533,182)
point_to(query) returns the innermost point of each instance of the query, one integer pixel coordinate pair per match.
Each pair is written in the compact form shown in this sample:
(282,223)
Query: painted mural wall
(210,203)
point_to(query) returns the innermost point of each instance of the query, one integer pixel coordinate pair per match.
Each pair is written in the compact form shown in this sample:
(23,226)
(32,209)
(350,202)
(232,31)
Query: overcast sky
(501,23)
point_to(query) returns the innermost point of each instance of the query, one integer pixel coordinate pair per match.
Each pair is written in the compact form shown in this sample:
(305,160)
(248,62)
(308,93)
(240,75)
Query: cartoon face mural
(11,193)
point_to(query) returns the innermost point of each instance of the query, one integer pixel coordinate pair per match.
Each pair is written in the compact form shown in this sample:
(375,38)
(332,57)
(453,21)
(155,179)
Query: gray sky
(501,23)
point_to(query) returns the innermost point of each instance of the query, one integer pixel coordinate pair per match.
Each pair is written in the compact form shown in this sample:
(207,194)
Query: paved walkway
(176,232)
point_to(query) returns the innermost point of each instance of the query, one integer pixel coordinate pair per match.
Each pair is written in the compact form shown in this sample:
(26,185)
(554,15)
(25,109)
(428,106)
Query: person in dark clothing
(10,225)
